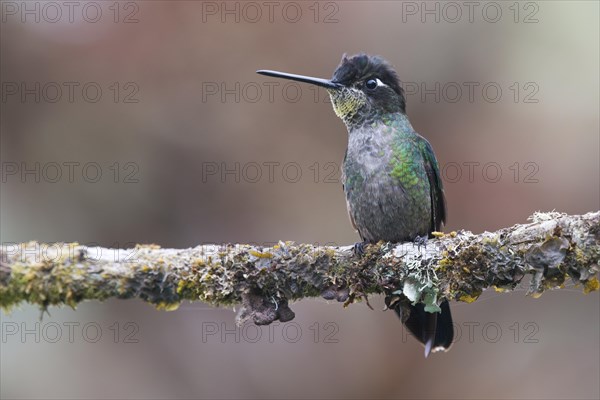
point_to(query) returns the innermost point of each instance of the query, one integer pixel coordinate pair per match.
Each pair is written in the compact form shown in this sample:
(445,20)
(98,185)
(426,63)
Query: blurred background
(144,122)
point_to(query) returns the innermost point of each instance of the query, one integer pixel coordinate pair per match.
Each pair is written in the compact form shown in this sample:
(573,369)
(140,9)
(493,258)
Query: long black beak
(326,83)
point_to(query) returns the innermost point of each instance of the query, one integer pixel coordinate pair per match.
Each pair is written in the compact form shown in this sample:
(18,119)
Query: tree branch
(457,266)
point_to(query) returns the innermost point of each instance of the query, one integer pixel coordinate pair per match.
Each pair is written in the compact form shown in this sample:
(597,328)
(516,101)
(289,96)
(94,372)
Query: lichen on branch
(551,248)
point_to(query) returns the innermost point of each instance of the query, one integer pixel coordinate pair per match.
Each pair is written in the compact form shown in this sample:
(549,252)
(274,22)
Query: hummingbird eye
(371,84)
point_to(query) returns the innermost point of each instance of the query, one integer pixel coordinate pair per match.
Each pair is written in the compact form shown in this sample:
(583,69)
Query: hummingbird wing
(348,208)
(438,199)
(350,212)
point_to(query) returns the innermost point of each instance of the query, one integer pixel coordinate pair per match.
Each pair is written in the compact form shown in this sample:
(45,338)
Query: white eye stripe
(378,83)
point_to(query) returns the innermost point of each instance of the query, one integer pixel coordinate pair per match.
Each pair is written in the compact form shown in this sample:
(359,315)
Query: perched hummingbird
(390,174)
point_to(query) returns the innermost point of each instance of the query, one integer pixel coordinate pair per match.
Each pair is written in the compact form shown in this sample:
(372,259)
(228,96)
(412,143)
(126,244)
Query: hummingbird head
(362,87)
(369,86)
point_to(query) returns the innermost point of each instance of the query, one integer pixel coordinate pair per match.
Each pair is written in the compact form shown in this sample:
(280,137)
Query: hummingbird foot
(421,241)
(340,294)
(359,248)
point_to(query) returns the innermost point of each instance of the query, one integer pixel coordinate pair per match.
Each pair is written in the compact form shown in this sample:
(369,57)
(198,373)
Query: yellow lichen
(151,246)
(468,298)
(167,306)
(490,240)
(444,263)
(258,254)
(199,263)
(591,285)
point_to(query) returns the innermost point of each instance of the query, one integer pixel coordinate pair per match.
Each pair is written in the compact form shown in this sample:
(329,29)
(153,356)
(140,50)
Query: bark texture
(552,248)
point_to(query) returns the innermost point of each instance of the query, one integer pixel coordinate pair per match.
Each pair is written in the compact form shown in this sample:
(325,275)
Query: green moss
(289,271)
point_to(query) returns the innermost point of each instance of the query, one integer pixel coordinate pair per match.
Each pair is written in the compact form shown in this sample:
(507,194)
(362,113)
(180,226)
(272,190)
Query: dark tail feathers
(434,330)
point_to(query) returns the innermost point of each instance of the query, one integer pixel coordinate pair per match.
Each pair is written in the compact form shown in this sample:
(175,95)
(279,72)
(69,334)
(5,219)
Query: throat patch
(346,102)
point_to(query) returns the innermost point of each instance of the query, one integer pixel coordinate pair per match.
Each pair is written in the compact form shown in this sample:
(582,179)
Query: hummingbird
(390,175)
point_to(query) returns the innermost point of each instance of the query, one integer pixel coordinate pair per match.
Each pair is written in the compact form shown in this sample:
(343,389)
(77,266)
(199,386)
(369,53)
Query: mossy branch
(457,266)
